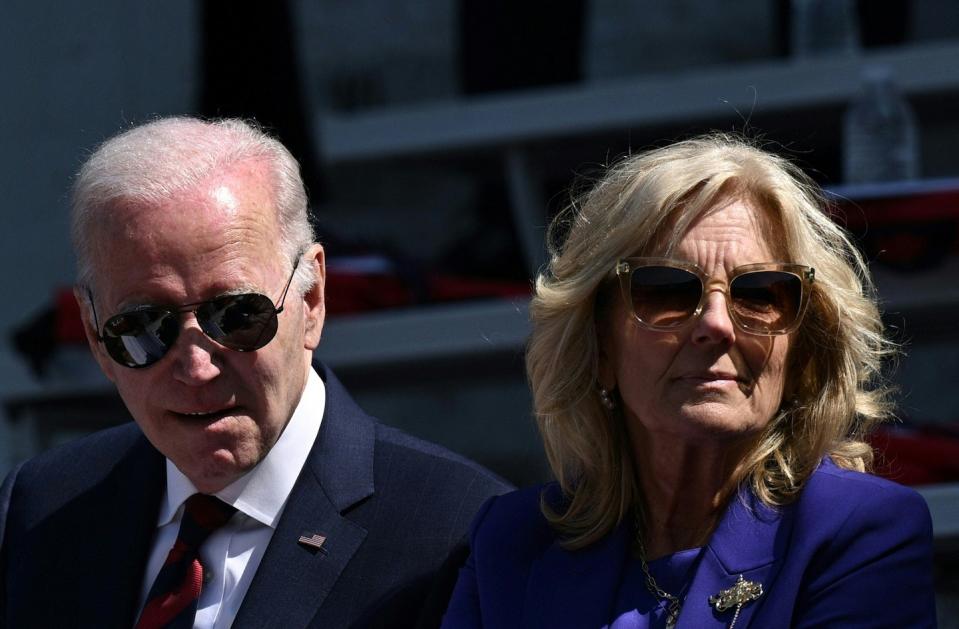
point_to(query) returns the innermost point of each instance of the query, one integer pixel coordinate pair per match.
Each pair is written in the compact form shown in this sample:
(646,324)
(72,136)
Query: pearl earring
(607,399)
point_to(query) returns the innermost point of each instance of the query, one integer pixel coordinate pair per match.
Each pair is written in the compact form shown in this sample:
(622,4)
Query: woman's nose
(714,324)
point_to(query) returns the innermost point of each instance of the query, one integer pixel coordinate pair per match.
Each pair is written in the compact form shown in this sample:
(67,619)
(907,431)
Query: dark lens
(664,296)
(766,301)
(241,322)
(141,337)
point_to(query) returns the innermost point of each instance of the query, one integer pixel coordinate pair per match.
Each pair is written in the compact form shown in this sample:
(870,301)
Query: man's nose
(193,354)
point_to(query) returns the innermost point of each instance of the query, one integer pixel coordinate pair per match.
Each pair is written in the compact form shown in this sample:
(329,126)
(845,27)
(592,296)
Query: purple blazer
(853,550)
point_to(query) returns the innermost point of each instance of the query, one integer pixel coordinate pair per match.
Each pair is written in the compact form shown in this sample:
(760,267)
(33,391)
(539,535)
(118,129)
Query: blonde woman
(705,365)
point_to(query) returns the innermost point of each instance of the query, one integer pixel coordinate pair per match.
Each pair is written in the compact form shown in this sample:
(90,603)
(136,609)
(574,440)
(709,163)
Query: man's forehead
(224,228)
(218,204)
(129,276)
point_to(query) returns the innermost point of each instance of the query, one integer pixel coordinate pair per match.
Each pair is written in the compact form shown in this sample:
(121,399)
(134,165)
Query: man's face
(213,411)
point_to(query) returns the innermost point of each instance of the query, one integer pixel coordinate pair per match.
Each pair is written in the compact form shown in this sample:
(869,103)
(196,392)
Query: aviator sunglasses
(243,322)
(766,299)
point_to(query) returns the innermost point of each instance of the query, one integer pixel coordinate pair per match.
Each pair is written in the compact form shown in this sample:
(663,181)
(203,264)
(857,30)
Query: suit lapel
(126,519)
(749,542)
(293,579)
(576,588)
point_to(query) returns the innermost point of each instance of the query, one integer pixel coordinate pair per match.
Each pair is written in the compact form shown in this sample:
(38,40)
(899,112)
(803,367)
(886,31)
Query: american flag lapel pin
(313,541)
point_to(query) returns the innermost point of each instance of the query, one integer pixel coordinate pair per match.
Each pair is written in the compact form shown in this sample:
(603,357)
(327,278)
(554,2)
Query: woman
(705,365)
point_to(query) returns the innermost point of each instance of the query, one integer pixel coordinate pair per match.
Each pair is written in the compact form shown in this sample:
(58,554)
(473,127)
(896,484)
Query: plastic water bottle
(823,27)
(880,136)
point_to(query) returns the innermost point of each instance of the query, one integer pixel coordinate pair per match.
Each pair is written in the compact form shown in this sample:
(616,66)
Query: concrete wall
(71,73)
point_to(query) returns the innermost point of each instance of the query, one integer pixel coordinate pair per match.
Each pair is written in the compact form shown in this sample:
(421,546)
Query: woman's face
(708,381)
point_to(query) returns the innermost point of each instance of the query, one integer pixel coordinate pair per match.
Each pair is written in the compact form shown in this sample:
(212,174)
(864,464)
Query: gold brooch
(739,594)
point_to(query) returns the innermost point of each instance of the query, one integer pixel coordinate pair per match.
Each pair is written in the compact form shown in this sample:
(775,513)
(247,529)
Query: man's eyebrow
(132,305)
(238,290)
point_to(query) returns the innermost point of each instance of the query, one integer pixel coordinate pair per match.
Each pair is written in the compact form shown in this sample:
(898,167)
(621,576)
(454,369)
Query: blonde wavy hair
(834,393)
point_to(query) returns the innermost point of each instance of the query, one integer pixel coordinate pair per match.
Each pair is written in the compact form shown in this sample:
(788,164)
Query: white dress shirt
(231,555)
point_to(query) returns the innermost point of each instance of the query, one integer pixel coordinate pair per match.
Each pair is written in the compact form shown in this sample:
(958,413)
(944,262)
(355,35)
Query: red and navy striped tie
(172,601)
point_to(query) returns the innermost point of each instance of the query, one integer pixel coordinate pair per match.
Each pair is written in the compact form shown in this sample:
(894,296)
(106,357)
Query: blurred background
(437,138)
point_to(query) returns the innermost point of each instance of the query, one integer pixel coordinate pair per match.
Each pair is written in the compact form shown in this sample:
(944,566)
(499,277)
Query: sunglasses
(766,299)
(244,323)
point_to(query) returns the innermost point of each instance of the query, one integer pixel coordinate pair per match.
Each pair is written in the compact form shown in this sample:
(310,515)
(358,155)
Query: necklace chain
(674,604)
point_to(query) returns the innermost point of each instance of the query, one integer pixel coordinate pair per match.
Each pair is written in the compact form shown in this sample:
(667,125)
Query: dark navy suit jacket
(853,551)
(76,525)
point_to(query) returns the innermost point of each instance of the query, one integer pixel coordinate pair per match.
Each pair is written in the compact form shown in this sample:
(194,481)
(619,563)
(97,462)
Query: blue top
(852,551)
(636,607)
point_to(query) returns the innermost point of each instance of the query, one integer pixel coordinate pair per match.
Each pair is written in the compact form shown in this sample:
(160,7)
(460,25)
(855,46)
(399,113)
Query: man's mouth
(206,415)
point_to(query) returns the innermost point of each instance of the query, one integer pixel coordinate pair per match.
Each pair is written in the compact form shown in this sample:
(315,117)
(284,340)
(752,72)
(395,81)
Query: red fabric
(900,210)
(161,610)
(174,593)
(919,455)
(355,292)
(447,288)
(348,292)
(68,324)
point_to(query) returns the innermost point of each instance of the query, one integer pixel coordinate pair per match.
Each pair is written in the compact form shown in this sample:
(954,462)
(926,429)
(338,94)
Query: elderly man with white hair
(250,491)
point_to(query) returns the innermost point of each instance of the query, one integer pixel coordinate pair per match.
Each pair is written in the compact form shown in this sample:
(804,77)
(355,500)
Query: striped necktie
(172,601)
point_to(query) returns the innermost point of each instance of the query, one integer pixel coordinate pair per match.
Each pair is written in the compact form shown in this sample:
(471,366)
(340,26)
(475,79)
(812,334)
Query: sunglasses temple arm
(286,289)
(93,309)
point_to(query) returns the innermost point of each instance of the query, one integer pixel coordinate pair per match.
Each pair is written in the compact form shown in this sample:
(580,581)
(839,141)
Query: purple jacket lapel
(748,540)
(576,589)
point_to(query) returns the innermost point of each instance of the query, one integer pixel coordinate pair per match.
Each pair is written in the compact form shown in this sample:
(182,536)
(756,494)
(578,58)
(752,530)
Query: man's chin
(213,470)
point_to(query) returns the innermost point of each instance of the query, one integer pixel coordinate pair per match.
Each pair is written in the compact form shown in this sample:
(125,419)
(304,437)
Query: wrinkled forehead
(224,222)
(765,221)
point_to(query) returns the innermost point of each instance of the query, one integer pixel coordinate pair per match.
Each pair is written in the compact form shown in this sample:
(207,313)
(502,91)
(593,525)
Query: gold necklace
(674,604)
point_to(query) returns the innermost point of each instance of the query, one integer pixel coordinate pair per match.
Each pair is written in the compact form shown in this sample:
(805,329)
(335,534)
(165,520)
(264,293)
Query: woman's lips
(717,381)
(711,377)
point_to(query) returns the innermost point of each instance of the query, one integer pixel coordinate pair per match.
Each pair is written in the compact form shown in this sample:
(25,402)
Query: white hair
(154,162)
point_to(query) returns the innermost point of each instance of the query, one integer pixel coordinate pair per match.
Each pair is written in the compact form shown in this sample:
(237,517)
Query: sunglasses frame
(625,266)
(189,308)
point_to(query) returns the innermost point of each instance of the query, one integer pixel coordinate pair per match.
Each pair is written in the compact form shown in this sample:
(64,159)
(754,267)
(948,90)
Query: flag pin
(313,541)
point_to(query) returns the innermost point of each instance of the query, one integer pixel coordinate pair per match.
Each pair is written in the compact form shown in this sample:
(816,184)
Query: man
(202,295)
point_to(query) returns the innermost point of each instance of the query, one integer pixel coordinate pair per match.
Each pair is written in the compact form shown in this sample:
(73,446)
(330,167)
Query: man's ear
(84,298)
(314,303)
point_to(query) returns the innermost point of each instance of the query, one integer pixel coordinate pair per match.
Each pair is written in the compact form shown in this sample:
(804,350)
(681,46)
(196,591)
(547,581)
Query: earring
(606,398)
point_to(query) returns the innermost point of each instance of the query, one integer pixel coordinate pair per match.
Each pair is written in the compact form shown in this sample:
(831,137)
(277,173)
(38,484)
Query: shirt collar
(261,493)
